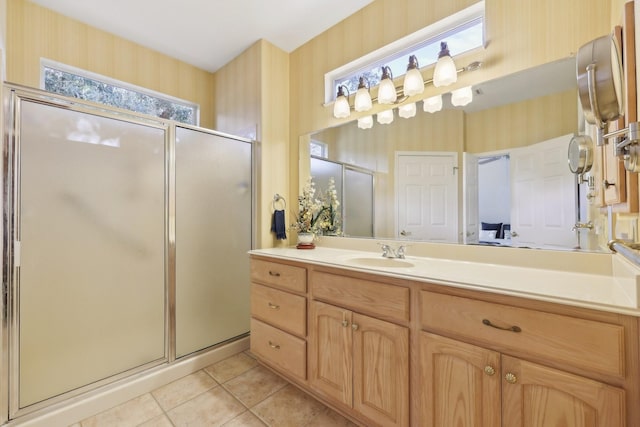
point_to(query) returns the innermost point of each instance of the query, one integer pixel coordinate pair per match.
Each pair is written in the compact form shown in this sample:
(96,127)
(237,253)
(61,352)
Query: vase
(305,241)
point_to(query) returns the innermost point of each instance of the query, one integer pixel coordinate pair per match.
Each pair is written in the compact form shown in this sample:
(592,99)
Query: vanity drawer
(279,348)
(587,344)
(278,308)
(280,275)
(384,301)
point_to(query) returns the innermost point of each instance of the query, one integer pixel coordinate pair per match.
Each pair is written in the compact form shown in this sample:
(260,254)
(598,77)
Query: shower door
(213,236)
(87,196)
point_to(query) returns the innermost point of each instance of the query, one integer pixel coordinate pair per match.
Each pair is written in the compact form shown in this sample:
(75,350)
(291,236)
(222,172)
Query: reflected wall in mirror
(524,121)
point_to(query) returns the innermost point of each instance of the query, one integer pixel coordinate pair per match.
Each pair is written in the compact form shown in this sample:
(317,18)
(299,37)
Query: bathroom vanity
(427,341)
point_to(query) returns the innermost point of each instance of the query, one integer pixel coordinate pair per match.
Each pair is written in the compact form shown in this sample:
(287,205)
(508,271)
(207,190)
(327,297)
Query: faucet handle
(400,251)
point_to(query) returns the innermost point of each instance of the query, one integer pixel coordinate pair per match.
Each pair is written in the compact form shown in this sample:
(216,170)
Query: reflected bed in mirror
(434,177)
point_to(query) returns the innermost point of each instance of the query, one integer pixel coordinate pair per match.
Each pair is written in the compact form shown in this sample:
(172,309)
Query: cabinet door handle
(272,345)
(354,326)
(274,273)
(509,328)
(510,378)
(345,323)
(489,370)
(274,306)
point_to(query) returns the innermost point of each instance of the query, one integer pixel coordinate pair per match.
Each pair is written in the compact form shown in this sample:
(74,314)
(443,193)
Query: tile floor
(231,393)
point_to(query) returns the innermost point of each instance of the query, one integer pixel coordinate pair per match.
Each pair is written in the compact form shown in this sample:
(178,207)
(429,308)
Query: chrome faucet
(578,225)
(389,252)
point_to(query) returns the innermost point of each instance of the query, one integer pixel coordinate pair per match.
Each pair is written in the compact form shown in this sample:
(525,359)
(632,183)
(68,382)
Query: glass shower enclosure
(124,245)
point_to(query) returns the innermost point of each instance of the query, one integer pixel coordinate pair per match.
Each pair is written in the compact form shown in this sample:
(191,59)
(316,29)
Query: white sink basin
(381,262)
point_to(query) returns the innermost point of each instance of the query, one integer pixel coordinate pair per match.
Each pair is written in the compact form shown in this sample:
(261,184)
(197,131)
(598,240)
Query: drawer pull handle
(510,378)
(274,306)
(272,345)
(510,328)
(489,370)
(274,273)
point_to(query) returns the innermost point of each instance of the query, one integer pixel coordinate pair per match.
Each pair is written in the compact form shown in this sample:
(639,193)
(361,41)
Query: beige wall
(252,100)
(34,32)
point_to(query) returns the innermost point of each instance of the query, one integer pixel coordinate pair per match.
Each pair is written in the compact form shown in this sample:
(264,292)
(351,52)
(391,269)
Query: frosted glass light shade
(445,72)
(385,117)
(363,100)
(433,104)
(365,122)
(341,108)
(387,92)
(407,111)
(461,97)
(413,82)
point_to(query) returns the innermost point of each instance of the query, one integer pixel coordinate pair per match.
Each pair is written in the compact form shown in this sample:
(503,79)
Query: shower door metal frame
(13,95)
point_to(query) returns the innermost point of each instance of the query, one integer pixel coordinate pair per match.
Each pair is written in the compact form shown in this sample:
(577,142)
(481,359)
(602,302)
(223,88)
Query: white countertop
(618,292)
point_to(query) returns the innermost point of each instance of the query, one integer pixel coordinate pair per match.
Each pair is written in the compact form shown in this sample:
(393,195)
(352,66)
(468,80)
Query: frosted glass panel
(358,203)
(213,235)
(92,288)
(321,170)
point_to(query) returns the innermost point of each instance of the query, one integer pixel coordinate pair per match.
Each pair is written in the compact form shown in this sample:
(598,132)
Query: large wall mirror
(493,172)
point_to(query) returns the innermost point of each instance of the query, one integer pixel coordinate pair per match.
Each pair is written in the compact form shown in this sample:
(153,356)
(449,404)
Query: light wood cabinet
(538,396)
(472,386)
(279,316)
(360,361)
(387,351)
(460,383)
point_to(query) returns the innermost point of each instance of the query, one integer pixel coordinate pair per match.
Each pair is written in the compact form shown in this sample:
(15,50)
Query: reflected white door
(427,196)
(470,201)
(543,194)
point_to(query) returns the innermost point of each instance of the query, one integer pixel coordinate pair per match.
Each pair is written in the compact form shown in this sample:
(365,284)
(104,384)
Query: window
(81,84)
(463,32)
(318,149)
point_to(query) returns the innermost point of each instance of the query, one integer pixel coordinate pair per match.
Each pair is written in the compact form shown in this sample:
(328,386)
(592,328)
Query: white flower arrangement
(318,216)
(309,210)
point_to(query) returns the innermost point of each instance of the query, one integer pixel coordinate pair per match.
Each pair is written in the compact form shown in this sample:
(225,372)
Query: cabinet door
(460,384)
(330,354)
(381,370)
(538,396)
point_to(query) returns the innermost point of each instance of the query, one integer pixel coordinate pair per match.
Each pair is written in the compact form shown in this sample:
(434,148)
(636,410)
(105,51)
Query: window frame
(47,63)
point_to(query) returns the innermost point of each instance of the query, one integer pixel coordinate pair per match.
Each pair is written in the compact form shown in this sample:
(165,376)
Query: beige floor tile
(329,417)
(159,421)
(254,386)
(131,413)
(288,407)
(231,367)
(212,408)
(246,419)
(179,391)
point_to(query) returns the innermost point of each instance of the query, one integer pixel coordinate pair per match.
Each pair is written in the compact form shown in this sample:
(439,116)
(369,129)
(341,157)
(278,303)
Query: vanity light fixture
(387,91)
(433,104)
(407,111)
(445,72)
(341,108)
(385,117)
(363,97)
(413,82)
(461,97)
(365,122)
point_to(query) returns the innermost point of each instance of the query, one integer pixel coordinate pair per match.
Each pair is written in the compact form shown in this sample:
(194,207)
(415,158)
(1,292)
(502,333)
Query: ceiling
(209,33)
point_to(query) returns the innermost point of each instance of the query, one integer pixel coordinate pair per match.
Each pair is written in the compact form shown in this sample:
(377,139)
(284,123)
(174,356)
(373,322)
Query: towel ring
(278,198)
